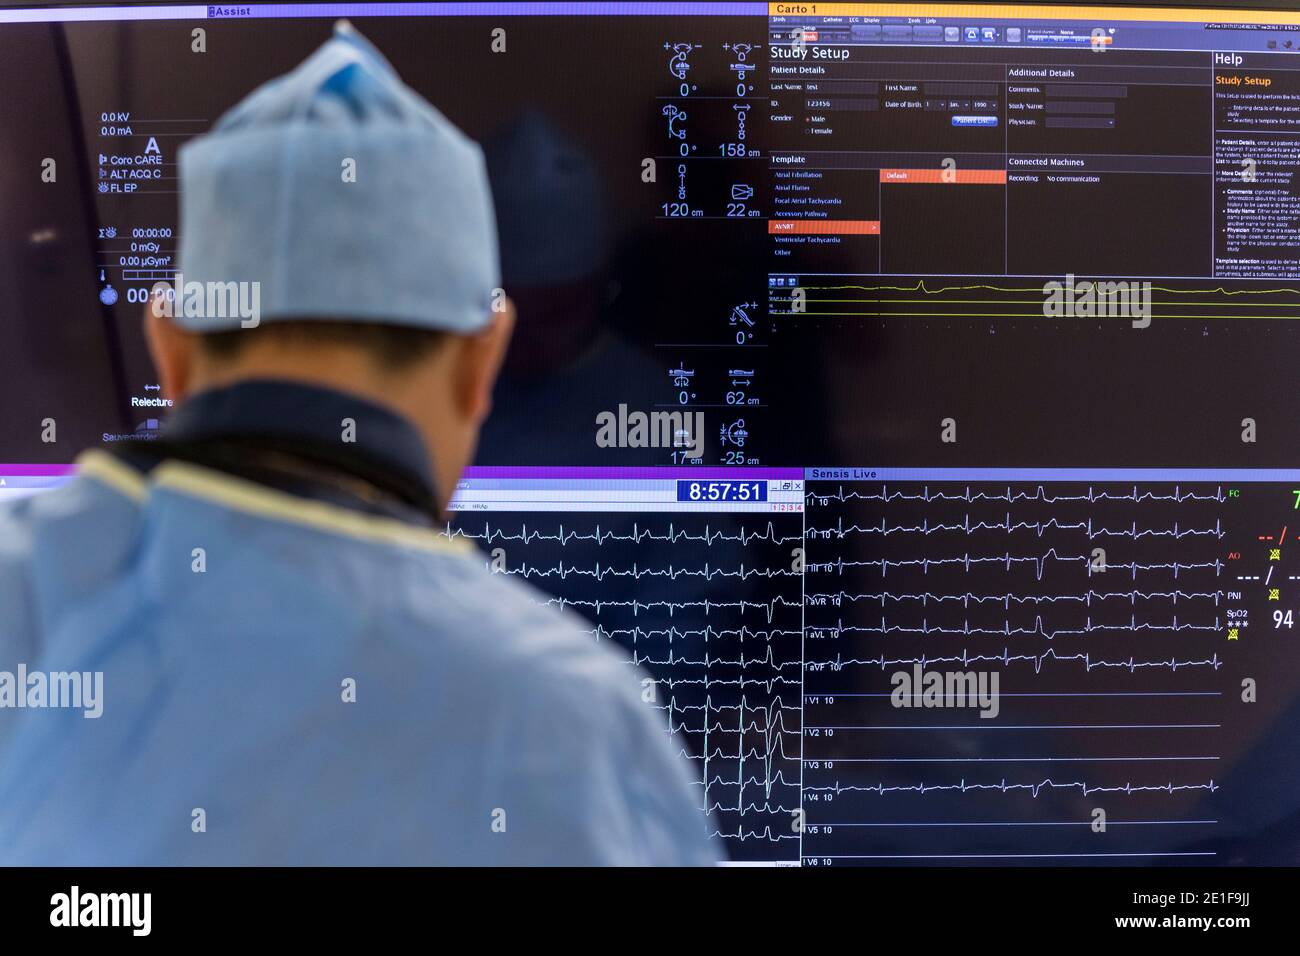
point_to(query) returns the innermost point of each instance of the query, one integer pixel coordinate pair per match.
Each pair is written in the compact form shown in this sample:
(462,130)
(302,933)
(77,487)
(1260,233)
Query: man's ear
(479,362)
(172,351)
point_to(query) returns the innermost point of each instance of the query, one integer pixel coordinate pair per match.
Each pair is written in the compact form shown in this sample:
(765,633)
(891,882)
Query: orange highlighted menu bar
(823,227)
(985,177)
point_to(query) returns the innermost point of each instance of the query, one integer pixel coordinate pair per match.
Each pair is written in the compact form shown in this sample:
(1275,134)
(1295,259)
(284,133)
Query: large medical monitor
(859,346)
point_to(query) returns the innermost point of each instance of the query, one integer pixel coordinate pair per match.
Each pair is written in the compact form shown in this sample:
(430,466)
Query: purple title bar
(36,471)
(255,11)
(522,9)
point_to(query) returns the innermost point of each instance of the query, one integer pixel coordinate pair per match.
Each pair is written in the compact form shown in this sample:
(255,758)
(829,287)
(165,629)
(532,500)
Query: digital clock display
(723,490)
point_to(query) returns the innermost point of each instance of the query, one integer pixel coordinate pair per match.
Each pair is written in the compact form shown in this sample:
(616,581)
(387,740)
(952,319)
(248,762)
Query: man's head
(352,223)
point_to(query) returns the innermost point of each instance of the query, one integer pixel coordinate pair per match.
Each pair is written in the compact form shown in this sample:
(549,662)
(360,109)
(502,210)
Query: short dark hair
(392,347)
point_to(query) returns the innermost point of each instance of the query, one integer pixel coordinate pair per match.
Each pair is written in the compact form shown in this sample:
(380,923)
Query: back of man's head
(337,230)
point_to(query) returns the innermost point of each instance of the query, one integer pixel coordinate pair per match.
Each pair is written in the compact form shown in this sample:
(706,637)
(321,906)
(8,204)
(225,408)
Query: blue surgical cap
(346,196)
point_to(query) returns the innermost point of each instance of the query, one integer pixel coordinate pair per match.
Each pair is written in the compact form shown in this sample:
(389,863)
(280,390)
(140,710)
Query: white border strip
(77,14)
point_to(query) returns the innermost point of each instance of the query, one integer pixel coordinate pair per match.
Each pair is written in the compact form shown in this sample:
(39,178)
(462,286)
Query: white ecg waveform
(708,681)
(632,635)
(1006,599)
(599,572)
(636,535)
(1034,789)
(767,834)
(761,731)
(839,531)
(1008,561)
(1132,664)
(1008,580)
(737,638)
(711,609)
(670,662)
(707,605)
(839,628)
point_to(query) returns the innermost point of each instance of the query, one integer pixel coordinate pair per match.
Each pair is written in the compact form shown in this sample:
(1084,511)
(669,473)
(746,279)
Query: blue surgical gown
(486,729)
